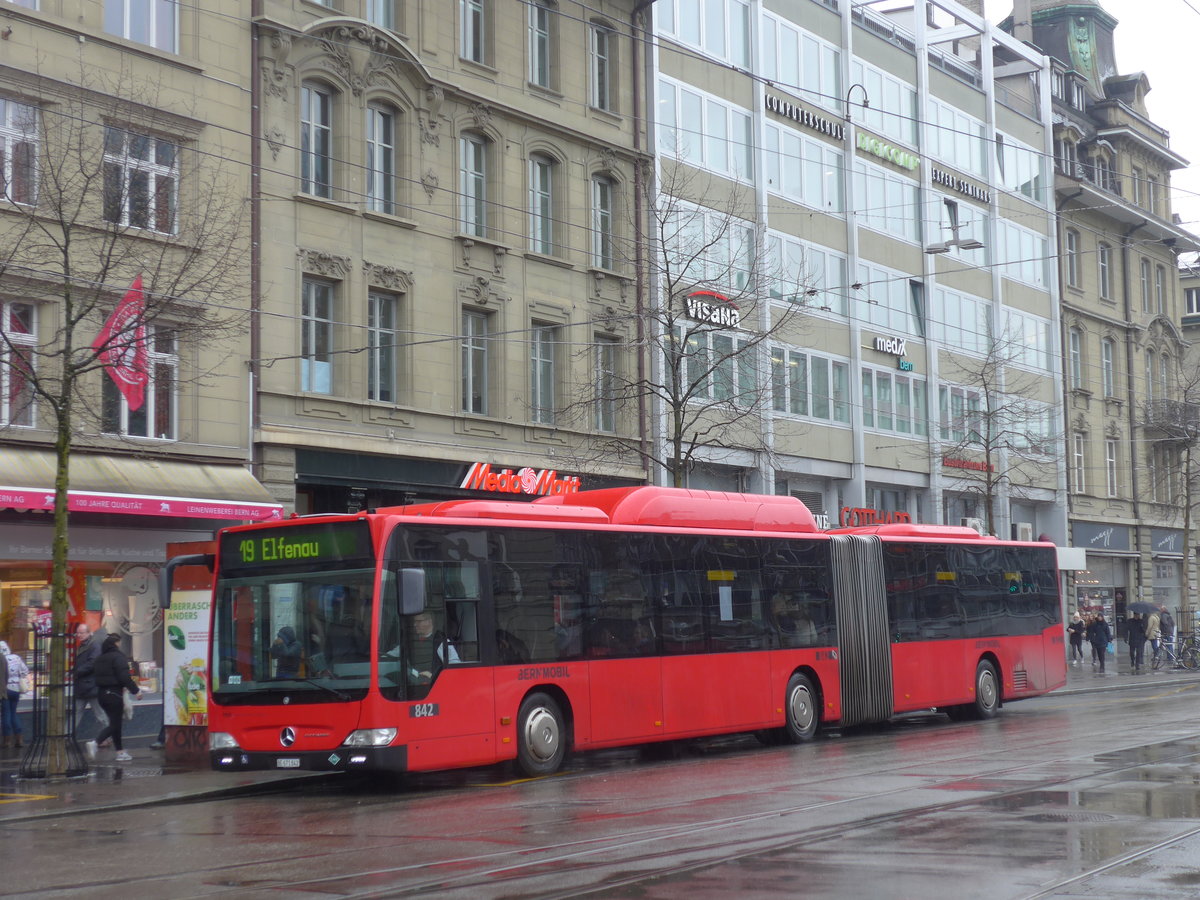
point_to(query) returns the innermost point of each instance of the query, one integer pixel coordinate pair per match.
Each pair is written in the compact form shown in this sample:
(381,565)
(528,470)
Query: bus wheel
(801,713)
(987,691)
(540,747)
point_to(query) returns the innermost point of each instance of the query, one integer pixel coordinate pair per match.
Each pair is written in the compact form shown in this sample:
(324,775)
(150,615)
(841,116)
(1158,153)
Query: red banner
(122,346)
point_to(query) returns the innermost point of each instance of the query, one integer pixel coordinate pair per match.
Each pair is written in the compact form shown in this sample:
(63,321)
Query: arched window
(543,173)
(1075,351)
(381,158)
(473,170)
(316,140)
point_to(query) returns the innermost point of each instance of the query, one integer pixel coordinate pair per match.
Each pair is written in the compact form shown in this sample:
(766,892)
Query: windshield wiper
(339,694)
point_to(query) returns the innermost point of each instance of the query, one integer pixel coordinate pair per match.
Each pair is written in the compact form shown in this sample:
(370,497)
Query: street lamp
(866,101)
(955,241)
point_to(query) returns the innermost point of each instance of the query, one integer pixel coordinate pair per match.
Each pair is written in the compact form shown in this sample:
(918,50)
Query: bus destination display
(315,544)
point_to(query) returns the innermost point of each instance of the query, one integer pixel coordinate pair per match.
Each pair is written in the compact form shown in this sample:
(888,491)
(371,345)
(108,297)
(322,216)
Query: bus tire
(801,710)
(540,736)
(987,691)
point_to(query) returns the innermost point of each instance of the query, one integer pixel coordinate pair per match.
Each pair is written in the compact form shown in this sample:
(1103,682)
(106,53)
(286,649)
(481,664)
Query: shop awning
(105,483)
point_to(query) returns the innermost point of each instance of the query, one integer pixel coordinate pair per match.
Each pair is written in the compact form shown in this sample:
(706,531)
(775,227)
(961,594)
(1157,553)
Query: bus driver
(428,650)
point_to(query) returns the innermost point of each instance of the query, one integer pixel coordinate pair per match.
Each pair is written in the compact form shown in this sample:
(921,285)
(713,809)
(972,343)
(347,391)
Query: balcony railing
(1172,420)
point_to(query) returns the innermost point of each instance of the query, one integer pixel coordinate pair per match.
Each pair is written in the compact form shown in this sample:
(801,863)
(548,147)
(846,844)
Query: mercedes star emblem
(287,737)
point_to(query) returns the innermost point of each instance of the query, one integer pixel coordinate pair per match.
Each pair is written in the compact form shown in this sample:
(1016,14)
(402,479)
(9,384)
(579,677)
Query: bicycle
(1183,654)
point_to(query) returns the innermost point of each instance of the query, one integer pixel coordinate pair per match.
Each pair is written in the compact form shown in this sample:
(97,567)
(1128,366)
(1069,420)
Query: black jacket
(1099,633)
(84,672)
(112,672)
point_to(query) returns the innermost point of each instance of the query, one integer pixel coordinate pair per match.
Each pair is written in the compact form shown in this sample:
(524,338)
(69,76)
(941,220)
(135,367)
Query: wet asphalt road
(1093,795)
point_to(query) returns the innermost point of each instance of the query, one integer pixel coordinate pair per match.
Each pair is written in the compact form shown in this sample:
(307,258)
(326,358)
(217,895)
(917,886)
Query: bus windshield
(292,629)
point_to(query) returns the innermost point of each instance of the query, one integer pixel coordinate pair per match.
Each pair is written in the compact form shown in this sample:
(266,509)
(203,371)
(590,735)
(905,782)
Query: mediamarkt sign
(480,477)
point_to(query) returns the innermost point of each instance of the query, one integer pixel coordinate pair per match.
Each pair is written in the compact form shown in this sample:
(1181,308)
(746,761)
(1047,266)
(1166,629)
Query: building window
(316,337)
(1145,285)
(721,28)
(807,385)
(713,366)
(1138,179)
(473,16)
(1150,369)
(541,204)
(541,44)
(475,362)
(152,22)
(1160,290)
(1075,355)
(1104,265)
(961,414)
(1072,254)
(141,177)
(19,322)
(1079,460)
(606,383)
(1108,367)
(1110,467)
(473,173)
(155,418)
(382,346)
(316,141)
(382,13)
(603,68)
(1152,194)
(1164,375)
(543,347)
(705,131)
(381,159)
(602,222)
(18,151)
(1192,299)
(893,402)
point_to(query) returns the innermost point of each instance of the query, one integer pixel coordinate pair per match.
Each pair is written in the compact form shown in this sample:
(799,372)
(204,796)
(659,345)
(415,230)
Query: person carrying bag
(112,681)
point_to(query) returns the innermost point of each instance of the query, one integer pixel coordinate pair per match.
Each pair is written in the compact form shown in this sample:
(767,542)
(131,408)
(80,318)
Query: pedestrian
(112,680)
(1154,632)
(87,650)
(1098,635)
(288,653)
(1136,636)
(1076,630)
(4,701)
(16,672)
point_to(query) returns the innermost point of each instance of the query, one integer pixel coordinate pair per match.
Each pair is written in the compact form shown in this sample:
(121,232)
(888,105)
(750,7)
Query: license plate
(289,763)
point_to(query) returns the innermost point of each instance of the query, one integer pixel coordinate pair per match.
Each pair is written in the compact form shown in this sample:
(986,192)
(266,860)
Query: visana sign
(712,308)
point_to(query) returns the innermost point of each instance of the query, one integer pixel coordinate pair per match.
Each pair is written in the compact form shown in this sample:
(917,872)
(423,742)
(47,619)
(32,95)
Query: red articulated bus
(471,632)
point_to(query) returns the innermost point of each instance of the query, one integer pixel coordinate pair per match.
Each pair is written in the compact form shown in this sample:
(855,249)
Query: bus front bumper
(340,759)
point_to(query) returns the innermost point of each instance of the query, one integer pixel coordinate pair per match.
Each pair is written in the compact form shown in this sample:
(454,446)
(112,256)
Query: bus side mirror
(166,575)
(411,584)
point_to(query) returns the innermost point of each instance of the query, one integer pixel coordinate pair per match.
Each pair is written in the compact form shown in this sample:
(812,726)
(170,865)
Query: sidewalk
(146,781)
(1083,679)
(149,780)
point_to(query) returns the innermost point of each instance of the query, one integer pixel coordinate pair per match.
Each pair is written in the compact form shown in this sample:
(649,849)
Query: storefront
(1166,552)
(1103,587)
(124,511)
(330,481)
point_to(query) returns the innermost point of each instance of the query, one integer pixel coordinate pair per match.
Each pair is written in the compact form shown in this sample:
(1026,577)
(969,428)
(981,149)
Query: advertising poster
(185,661)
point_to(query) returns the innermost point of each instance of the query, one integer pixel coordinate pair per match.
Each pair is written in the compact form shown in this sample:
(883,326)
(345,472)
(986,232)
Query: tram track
(658,851)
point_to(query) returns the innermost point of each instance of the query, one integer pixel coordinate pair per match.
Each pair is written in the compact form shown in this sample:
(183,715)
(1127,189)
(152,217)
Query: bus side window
(462,629)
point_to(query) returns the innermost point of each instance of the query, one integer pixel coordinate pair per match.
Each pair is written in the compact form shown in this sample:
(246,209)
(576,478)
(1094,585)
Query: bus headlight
(370,737)
(219,740)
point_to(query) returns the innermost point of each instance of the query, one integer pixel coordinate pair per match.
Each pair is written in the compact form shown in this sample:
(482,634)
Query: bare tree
(995,431)
(1172,430)
(699,371)
(103,194)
